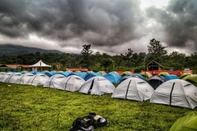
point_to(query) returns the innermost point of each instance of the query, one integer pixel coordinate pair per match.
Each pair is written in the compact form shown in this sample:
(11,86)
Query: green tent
(192,79)
(163,74)
(146,75)
(184,75)
(188,122)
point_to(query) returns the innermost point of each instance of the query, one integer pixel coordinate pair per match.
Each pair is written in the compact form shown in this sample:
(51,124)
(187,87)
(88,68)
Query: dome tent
(133,89)
(54,81)
(91,74)
(192,79)
(24,78)
(188,122)
(14,78)
(97,85)
(6,77)
(113,77)
(71,83)
(132,75)
(176,92)
(38,79)
(184,75)
(155,81)
(170,77)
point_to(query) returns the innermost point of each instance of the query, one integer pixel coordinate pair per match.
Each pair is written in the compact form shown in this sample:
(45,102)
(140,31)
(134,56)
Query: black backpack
(88,123)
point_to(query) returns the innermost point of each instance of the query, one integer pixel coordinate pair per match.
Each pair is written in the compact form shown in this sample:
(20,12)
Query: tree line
(128,60)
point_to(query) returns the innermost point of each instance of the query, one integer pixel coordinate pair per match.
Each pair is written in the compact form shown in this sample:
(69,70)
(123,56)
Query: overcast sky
(109,26)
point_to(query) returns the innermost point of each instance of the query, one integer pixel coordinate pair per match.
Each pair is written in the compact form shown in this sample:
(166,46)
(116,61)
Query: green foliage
(156,50)
(125,61)
(30,108)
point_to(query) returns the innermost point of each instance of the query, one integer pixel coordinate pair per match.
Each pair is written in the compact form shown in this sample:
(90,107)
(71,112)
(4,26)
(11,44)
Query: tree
(106,63)
(176,60)
(86,52)
(156,50)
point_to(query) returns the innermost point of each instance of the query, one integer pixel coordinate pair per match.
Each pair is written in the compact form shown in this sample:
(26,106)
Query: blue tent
(81,74)
(51,73)
(92,74)
(113,77)
(66,74)
(36,72)
(170,77)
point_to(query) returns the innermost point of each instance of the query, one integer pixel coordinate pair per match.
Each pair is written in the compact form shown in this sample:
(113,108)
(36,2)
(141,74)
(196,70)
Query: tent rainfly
(97,85)
(133,88)
(71,83)
(40,66)
(186,123)
(54,81)
(176,92)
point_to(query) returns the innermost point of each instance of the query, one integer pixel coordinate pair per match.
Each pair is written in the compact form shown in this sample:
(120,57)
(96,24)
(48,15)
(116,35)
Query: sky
(109,26)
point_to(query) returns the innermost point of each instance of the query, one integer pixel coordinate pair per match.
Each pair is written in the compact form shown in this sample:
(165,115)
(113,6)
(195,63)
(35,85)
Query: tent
(14,78)
(132,75)
(155,81)
(6,77)
(2,74)
(184,75)
(113,77)
(191,78)
(38,79)
(91,74)
(24,78)
(176,92)
(146,75)
(54,81)
(170,77)
(125,73)
(66,74)
(133,89)
(188,122)
(51,73)
(71,83)
(97,85)
(81,74)
(163,73)
(40,65)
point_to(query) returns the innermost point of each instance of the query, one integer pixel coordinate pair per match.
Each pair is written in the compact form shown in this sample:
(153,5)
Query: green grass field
(30,108)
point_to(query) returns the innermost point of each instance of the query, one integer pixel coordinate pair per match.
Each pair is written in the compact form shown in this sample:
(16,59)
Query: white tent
(97,85)
(38,65)
(176,92)
(133,88)
(54,81)
(14,78)
(1,75)
(6,77)
(24,78)
(71,83)
(38,79)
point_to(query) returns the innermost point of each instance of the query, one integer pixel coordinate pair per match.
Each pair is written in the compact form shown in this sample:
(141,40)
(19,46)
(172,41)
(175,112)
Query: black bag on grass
(88,123)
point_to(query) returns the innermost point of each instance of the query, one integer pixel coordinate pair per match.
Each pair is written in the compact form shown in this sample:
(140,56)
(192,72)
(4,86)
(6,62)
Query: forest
(104,62)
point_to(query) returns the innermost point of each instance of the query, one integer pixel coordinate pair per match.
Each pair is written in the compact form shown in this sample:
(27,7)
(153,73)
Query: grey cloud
(103,22)
(179,21)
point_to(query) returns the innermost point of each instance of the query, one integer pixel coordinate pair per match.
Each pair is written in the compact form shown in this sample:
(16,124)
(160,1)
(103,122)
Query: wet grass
(30,108)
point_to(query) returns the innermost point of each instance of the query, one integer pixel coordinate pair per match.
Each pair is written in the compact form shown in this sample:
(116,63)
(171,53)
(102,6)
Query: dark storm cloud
(179,21)
(103,22)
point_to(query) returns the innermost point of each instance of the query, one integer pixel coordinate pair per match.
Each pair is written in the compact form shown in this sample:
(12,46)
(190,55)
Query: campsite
(136,95)
(53,100)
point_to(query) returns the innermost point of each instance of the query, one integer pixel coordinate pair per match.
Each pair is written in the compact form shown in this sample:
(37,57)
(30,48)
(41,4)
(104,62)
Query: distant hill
(8,49)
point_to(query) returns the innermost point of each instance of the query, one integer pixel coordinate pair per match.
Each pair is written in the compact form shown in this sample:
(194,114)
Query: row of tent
(174,92)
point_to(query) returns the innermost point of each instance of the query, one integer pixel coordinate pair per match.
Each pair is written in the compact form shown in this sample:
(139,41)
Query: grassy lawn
(30,108)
